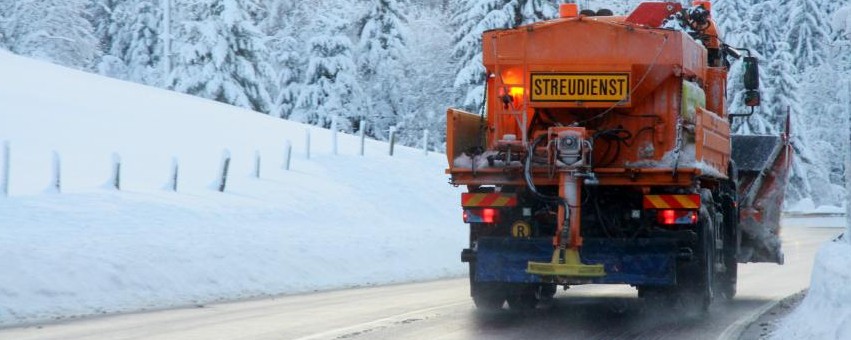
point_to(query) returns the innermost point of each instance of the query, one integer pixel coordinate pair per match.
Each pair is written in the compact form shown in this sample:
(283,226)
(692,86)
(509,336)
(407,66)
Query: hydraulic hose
(527,173)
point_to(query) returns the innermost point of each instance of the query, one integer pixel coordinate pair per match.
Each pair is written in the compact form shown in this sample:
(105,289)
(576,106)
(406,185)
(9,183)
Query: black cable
(617,135)
(637,134)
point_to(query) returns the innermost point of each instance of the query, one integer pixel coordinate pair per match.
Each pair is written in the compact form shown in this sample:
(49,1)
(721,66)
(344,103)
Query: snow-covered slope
(826,311)
(332,221)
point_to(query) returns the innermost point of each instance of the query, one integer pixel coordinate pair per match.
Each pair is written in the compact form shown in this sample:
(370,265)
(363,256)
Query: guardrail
(220,183)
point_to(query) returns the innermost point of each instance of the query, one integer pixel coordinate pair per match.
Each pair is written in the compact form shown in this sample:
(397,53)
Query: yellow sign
(586,87)
(521,229)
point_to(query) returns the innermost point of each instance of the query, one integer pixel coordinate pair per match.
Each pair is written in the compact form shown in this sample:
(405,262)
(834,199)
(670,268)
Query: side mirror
(752,97)
(751,73)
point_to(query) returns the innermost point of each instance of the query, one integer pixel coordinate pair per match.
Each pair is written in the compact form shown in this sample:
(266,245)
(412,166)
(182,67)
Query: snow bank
(826,311)
(808,206)
(330,222)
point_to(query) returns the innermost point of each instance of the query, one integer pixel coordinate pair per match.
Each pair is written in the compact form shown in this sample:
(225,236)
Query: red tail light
(489,215)
(675,217)
(486,215)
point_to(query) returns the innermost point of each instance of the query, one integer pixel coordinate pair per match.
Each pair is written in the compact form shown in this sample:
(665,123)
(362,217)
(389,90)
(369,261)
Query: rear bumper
(634,262)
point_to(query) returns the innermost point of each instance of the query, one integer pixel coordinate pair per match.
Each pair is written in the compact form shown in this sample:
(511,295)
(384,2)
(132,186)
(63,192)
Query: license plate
(586,87)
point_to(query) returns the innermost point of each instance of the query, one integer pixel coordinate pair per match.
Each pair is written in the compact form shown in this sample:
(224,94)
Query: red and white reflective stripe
(671,201)
(469,200)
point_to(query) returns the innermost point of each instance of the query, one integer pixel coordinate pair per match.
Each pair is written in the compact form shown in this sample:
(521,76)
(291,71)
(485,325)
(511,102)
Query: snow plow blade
(763,164)
(571,267)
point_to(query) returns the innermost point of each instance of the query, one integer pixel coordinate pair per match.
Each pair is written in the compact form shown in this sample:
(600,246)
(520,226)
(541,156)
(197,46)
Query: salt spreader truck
(604,155)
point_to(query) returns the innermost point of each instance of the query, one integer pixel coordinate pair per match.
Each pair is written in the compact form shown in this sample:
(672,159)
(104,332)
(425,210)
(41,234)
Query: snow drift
(826,311)
(332,221)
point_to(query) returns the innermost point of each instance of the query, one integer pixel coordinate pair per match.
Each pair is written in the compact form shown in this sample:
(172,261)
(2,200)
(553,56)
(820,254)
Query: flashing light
(513,89)
(707,5)
(568,10)
(516,93)
(512,76)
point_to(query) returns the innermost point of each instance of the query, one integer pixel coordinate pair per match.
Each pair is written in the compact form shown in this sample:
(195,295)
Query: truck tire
(706,278)
(728,279)
(524,297)
(488,295)
(705,284)
(696,279)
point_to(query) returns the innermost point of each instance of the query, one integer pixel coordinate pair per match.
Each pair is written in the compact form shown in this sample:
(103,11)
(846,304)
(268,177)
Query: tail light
(486,215)
(676,217)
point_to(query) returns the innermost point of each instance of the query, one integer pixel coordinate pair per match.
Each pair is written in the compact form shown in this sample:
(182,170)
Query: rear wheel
(527,296)
(524,301)
(697,279)
(728,279)
(488,296)
(705,285)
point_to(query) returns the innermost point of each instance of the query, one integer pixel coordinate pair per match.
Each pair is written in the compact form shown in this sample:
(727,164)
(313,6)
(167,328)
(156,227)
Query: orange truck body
(662,59)
(647,107)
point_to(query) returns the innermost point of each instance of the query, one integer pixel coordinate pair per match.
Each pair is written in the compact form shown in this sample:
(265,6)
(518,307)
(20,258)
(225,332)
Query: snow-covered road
(442,309)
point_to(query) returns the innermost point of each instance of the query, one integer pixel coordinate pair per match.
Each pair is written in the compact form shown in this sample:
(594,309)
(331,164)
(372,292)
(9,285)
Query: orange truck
(604,155)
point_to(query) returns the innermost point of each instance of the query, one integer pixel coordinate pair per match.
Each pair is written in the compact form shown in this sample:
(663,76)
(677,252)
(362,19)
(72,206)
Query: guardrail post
(256,163)
(225,165)
(116,171)
(307,143)
(362,133)
(288,154)
(334,135)
(57,173)
(175,167)
(392,139)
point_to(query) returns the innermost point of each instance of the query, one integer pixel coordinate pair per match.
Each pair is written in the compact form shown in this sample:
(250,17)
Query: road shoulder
(765,325)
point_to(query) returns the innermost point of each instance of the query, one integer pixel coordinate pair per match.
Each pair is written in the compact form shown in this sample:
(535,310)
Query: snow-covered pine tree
(5,13)
(841,37)
(383,64)
(762,21)
(807,33)
(470,20)
(52,30)
(258,11)
(285,25)
(728,15)
(287,55)
(137,41)
(780,83)
(781,90)
(103,19)
(428,87)
(820,61)
(842,27)
(220,54)
(330,86)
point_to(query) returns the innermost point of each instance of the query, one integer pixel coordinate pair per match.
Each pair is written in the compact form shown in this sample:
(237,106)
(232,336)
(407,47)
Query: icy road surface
(443,310)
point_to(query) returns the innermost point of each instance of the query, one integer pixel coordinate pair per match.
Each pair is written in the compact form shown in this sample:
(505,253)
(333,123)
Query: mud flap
(635,262)
(763,164)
